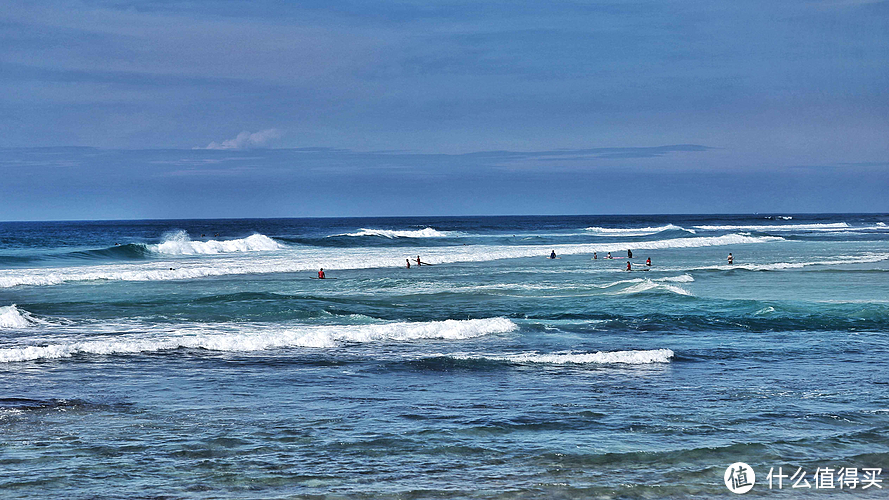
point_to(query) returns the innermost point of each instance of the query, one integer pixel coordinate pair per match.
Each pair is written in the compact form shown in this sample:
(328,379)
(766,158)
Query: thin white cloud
(247,140)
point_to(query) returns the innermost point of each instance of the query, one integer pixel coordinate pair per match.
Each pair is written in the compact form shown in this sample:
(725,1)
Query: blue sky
(115,109)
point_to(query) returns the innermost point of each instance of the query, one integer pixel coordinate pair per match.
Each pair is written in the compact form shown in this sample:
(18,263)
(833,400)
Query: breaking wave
(391,234)
(13,317)
(836,226)
(247,338)
(179,243)
(637,231)
(651,285)
(563,358)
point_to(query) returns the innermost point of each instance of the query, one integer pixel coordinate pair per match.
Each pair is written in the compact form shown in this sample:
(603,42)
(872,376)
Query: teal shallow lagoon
(140,359)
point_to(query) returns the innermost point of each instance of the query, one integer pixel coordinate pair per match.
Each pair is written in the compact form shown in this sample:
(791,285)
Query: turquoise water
(199,359)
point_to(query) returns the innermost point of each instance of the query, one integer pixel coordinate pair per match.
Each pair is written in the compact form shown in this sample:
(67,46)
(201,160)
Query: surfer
(609,256)
(408,263)
(648,262)
(321,274)
(629,254)
(731,259)
(552,255)
(420,263)
(628,266)
(595,256)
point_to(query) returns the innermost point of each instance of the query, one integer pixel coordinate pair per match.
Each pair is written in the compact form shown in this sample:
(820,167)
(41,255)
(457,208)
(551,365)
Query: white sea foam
(634,231)
(179,243)
(297,259)
(601,357)
(255,337)
(427,232)
(13,317)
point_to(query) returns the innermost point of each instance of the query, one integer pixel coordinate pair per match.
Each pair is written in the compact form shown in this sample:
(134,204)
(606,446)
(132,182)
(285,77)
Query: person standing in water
(321,274)
(552,255)
(731,260)
(408,263)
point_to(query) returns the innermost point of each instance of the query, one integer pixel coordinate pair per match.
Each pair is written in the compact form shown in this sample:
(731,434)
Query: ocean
(202,359)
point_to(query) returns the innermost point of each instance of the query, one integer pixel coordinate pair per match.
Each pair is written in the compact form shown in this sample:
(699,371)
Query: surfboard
(317,278)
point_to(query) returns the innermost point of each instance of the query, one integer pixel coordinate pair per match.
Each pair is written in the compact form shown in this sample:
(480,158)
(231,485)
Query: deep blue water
(198,359)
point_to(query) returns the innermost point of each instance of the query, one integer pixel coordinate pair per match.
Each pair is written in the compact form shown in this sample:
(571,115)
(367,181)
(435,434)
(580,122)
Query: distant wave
(562,358)
(247,338)
(836,226)
(387,233)
(179,243)
(637,231)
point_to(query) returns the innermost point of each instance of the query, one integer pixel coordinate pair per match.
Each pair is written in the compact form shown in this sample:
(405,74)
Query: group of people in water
(552,255)
(609,256)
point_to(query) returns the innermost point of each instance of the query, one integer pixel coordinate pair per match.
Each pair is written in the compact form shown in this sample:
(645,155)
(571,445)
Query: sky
(186,109)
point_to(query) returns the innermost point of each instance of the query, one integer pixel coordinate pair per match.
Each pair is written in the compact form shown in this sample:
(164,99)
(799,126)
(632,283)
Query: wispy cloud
(247,140)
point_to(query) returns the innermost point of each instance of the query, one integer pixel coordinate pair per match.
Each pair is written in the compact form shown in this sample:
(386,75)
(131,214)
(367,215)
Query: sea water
(200,359)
